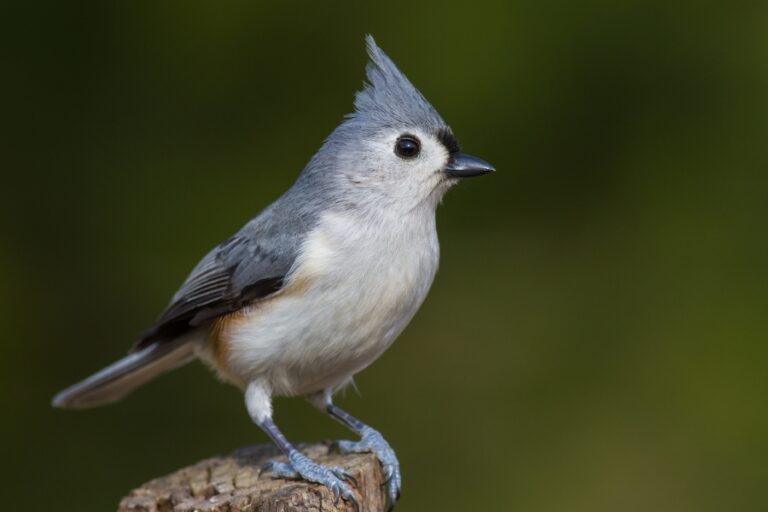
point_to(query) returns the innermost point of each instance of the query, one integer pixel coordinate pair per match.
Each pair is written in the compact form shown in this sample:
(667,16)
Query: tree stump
(240,483)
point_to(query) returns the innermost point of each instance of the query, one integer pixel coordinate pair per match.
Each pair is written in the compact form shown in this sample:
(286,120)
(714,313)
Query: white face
(404,167)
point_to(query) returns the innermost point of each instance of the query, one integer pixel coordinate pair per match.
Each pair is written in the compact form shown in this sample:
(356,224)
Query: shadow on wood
(239,483)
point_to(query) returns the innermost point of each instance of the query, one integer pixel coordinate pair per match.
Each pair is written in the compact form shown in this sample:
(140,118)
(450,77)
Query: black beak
(466,166)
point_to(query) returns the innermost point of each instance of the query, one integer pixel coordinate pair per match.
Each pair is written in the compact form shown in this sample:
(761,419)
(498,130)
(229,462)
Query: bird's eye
(407,146)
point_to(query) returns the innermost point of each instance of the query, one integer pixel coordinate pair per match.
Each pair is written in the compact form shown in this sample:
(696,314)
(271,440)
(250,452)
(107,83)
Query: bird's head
(394,150)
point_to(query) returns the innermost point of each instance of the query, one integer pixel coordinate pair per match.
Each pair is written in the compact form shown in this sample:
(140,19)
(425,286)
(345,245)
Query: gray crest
(389,97)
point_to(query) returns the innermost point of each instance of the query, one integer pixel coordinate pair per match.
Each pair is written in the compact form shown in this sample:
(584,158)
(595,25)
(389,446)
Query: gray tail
(123,376)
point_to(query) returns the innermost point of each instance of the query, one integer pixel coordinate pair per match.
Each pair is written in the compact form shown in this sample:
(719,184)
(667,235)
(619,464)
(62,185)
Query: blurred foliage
(595,339)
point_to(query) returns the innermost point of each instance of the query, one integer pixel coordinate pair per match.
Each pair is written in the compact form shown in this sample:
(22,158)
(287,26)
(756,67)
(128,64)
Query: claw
(281,469)
(394,496)
(346,475)
(300,466)
(388,473)
(372,441)
(354,502)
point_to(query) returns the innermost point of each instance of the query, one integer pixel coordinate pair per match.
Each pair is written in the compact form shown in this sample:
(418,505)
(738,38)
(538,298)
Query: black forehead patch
(445,135)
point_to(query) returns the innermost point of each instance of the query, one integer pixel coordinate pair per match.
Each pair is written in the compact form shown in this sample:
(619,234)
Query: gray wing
(246,267)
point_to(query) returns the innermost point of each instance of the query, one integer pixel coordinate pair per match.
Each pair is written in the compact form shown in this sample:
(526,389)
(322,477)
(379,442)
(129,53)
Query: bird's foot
(373,441)
(299,466)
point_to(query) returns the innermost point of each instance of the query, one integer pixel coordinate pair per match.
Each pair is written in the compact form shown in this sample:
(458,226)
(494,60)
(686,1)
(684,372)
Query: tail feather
(123,376)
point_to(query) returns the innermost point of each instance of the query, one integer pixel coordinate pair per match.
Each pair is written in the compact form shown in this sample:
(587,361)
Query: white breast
(354,288)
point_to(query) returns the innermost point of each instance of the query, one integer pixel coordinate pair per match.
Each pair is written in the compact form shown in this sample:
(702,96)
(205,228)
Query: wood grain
(240,483)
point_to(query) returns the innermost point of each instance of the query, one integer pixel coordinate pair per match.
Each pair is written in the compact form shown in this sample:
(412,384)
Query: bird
(320,283)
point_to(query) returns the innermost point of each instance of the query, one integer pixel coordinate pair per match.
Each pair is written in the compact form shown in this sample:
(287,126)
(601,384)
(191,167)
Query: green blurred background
(595,338)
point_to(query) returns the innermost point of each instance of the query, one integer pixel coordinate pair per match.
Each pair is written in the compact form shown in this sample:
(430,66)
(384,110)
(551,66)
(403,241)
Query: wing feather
(244,268)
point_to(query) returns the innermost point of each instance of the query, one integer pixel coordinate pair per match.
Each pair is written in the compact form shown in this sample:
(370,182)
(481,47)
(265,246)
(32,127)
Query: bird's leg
(299,466)
(371,440)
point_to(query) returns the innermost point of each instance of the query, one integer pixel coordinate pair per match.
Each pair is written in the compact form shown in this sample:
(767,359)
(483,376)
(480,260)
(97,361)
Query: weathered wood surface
(240,483)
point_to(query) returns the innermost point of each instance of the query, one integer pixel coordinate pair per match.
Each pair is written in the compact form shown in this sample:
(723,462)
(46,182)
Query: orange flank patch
(218,337)
(220,330)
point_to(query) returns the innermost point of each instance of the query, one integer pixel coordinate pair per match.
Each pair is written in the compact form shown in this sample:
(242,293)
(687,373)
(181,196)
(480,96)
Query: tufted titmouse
(319,284)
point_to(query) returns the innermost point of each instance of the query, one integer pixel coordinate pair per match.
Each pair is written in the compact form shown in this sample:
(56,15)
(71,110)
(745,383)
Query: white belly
(351,293)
